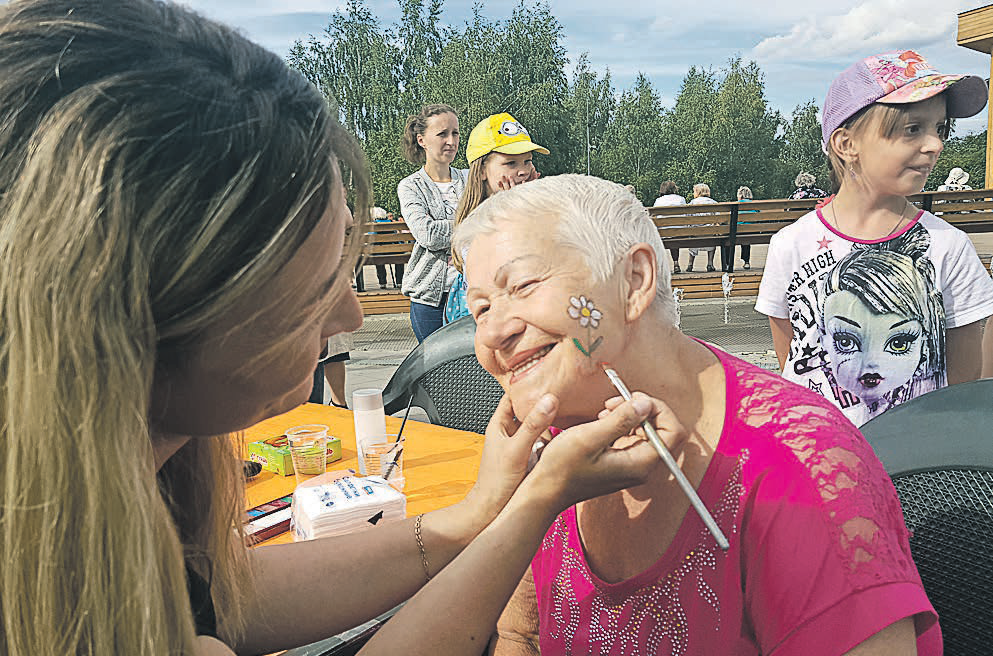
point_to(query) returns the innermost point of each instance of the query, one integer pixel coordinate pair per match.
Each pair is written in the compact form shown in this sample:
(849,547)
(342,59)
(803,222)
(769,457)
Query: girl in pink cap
(884,123)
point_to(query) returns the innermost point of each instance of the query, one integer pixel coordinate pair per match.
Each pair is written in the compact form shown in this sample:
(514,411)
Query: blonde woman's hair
(701,189)
(156,169)
(744,192)
(476,191)
(599,219)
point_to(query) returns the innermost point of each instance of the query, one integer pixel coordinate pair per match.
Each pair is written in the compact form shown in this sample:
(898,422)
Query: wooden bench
(755,222)
(696,226)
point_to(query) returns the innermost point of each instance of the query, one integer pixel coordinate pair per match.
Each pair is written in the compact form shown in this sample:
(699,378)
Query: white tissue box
(345,505)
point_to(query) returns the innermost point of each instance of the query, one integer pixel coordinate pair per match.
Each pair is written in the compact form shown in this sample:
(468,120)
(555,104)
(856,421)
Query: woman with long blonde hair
(172,257)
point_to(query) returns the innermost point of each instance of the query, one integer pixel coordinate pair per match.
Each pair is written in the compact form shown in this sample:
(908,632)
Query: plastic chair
(446,380)
(938,449)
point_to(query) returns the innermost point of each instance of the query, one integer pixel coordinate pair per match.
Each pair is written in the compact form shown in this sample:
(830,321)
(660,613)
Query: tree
(967,153)
(634,150)
(590,106)
(802,148)
(743,145)
(686,131)
(722,132)
(354,67)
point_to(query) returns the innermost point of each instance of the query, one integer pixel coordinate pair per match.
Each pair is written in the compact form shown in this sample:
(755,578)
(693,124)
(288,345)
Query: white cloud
(871,26)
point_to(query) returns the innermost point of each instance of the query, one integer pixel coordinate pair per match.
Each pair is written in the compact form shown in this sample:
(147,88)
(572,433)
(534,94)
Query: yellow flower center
(585,312)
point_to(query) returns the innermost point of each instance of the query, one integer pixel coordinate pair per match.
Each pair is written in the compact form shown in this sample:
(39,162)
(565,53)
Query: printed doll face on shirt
(872,354)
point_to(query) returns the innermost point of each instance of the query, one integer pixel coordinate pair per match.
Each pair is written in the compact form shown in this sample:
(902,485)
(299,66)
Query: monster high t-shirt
(869,317)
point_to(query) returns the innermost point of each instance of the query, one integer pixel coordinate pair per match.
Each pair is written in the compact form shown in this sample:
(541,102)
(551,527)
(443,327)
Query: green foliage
(377,76)
(633,144)
(720,130)
(967,153)
(802,149)
(590,106)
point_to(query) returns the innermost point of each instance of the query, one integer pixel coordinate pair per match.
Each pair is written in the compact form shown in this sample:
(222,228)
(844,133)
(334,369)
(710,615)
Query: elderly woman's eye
(525,286)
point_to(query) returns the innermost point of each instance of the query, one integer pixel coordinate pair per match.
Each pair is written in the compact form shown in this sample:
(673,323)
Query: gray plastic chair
(446,380)
(938,449)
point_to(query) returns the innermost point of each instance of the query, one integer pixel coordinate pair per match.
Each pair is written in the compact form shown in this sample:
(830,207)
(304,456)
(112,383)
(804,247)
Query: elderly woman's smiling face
(542,324)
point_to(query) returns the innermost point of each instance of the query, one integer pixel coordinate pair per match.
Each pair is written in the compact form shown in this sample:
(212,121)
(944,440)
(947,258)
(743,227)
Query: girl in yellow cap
(500,154)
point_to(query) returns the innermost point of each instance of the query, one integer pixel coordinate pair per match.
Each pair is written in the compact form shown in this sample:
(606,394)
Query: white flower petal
(582,299)
(584,321)
(596,314)
(574,313)
(575,302)
(594,323)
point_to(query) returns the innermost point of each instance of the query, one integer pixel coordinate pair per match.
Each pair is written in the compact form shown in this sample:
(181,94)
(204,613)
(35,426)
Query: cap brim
(520,147)
(966,94)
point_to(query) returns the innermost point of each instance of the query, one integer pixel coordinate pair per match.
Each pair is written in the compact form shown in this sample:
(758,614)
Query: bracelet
(420,545)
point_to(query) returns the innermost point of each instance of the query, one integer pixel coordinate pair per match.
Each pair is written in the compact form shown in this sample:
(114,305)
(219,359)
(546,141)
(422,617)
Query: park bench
(697,226)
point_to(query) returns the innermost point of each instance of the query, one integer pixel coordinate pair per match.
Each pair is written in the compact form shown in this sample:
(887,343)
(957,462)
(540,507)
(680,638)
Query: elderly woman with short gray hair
(566,274)
(805,184)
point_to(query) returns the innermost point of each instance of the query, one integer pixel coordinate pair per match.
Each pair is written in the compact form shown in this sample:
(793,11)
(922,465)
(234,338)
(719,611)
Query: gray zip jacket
(423,209)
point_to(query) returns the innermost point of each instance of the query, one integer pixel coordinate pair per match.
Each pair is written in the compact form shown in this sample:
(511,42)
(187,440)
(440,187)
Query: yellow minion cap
(500,133)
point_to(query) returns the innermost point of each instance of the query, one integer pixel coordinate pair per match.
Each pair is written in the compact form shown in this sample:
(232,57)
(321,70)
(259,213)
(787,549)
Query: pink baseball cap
(897,78)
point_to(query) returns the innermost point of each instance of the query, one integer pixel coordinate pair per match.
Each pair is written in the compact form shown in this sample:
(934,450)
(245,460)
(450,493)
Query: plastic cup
(386,460)
(309,450)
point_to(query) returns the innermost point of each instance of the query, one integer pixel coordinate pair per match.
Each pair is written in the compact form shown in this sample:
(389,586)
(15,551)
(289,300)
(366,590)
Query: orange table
(440,464)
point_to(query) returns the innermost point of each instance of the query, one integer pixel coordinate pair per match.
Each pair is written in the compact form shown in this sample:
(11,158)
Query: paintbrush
(396,458)
(671,463)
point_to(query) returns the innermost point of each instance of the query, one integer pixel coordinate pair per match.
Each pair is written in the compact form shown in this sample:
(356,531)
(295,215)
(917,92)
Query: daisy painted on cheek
(584,311)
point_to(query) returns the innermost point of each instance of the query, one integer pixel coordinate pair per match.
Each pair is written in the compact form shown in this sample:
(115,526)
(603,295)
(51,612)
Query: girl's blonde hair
(476,191)
(157,168)
(885,120)
(701,189)
(416,125)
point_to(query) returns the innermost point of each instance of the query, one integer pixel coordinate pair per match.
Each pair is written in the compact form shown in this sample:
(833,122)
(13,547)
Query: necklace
(899,221)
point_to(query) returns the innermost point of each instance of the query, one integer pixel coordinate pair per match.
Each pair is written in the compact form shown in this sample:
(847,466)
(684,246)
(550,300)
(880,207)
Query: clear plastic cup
(309,450)
(386,460)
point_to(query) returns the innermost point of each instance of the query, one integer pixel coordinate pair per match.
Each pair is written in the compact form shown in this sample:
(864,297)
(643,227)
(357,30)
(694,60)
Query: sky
(799,44)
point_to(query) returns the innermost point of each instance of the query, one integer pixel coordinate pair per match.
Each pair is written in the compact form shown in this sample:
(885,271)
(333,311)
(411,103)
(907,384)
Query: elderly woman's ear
(640,280)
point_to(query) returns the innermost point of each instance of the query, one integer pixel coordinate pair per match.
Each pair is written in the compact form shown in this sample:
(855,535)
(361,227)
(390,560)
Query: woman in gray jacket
(428,199)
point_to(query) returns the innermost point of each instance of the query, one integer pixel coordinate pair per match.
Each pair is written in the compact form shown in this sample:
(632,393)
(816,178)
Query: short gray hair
(599,219)
(805,179)
(744,192)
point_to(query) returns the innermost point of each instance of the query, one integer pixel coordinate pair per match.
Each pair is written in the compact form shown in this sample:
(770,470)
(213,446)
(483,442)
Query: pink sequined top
(819,558)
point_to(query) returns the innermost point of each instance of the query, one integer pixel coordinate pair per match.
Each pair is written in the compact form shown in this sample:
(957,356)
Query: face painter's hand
(663,419)
(506,451)
(595,458)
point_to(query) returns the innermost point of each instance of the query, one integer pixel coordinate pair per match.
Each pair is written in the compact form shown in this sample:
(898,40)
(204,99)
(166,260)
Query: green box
(274,453)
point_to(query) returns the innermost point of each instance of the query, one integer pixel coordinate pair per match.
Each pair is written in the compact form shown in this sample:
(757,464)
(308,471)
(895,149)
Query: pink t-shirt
(819,558)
